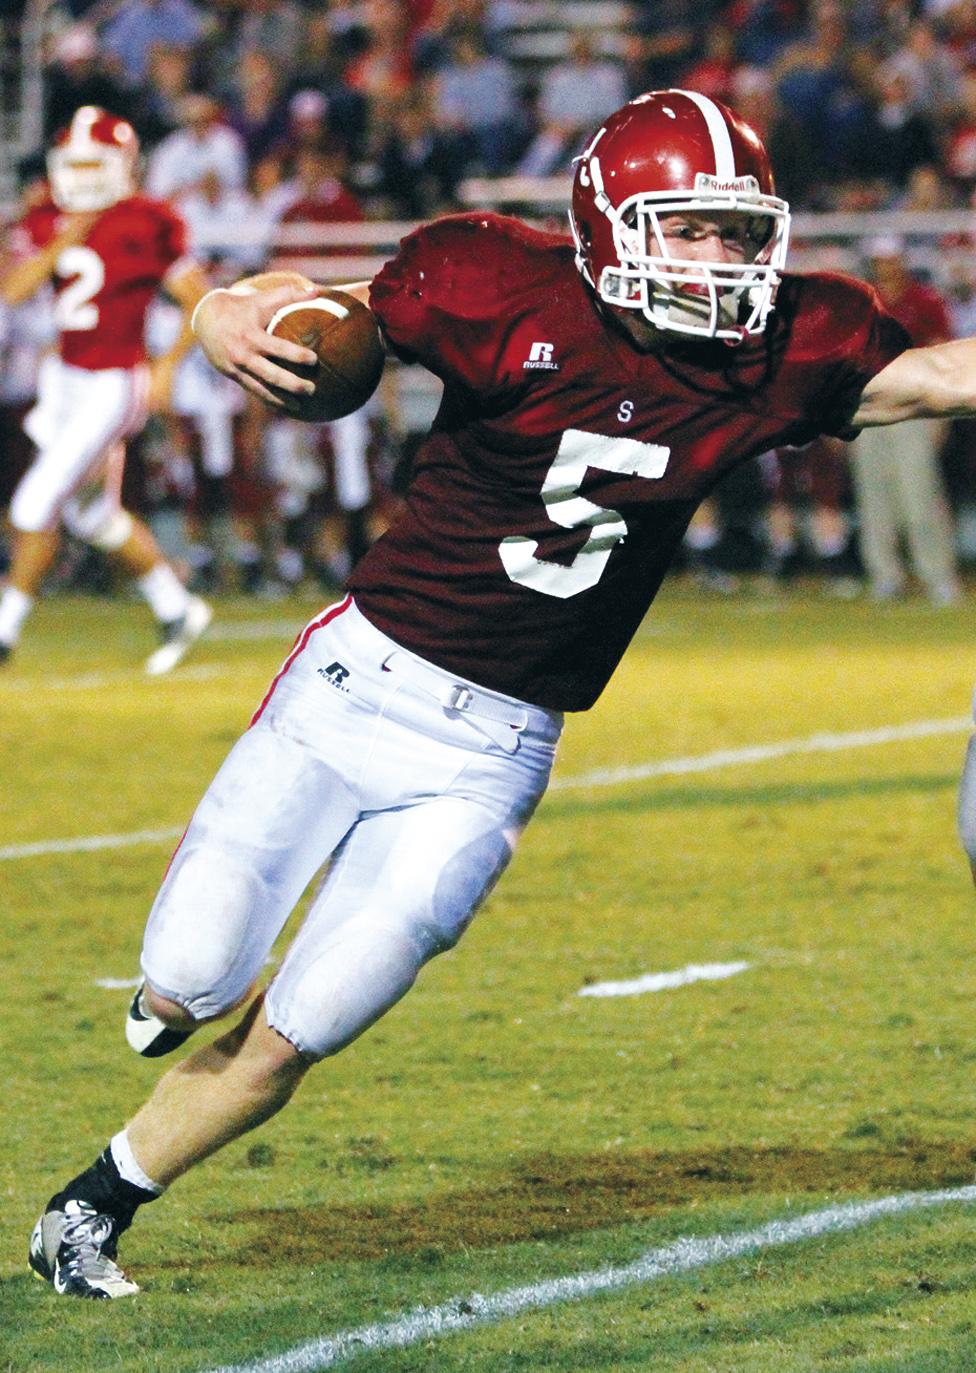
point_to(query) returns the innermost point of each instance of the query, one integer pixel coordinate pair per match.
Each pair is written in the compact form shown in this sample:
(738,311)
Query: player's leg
(32,554)
(874,465)
(928,527)
(403,887)
(98,518)
(267,823)
(35,507)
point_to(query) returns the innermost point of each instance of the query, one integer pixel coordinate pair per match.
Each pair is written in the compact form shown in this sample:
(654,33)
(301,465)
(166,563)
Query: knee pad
(205,963)
(100,524)
(33,506)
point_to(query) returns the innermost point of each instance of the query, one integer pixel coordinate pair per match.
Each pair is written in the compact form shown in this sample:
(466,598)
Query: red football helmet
(92,163)
(669,152)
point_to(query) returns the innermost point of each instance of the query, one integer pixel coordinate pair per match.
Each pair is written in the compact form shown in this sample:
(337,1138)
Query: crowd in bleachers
(261,113)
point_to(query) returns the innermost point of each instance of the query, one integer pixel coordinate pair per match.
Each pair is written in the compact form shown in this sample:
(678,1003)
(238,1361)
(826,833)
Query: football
(345,335)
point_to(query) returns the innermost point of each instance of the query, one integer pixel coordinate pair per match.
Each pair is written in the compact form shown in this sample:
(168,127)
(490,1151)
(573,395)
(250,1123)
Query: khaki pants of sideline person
(900,491)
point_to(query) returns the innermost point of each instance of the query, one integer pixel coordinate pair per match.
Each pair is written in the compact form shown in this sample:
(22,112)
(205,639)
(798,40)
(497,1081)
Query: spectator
(169,83)
(322,198)
(897,479)
(931,71)
(714,74)
(816,83)
(667,41)
(476,107)
(217,218)
(957,25)
(763,28)
(960,148)
(382,70)
(806,523)
(140,24)
(794,162)
(77,76)
(203,143)
(256,107)
(575,97)
(315,118)
(417,169)
(245,26)
(904,136)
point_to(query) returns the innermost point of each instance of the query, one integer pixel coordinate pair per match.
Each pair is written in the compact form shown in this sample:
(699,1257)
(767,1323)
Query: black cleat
(179,636)
(147,1034)
(74,1250)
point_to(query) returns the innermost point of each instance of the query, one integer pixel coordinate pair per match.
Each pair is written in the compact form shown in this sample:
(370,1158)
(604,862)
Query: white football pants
(406,785)
(77,424)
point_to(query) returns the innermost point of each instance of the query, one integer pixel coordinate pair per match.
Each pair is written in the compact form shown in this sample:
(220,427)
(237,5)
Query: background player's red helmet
(664,153)
(92,163)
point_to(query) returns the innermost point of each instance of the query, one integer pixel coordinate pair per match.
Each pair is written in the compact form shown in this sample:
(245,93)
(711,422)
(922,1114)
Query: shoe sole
(148,1035)
(166,658)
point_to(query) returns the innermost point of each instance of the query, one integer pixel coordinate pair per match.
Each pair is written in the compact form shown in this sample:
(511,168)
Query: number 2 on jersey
(73,308)
(578,451)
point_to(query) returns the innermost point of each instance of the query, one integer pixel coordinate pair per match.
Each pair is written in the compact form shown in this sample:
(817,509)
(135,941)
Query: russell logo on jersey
(540,358)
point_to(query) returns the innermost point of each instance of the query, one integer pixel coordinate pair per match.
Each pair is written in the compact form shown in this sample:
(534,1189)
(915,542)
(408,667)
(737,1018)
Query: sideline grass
(496,1128)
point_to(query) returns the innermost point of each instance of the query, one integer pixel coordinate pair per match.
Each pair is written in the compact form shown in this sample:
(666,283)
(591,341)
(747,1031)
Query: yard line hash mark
(660,982)
(702,762)
(685,1255)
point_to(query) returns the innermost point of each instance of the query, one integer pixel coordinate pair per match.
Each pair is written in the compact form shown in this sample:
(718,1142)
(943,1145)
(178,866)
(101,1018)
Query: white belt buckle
(458,697)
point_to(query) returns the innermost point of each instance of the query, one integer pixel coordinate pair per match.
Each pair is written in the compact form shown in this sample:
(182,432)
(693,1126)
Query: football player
(108,250)
(595,390)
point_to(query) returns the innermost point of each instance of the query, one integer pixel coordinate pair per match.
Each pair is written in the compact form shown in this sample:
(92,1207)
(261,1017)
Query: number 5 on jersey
(564,506)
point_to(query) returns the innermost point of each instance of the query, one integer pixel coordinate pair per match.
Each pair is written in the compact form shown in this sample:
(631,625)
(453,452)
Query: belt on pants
(500,721)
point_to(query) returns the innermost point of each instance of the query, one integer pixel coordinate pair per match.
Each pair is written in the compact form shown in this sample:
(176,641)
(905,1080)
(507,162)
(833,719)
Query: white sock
(125,1161)
(15,606)
(165,593)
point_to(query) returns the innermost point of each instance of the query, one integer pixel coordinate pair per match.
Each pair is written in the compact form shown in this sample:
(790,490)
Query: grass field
(498,1132)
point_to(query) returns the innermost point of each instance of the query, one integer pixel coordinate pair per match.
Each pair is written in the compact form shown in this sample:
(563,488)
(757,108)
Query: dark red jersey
(564,464)
(104,285)
(923,313)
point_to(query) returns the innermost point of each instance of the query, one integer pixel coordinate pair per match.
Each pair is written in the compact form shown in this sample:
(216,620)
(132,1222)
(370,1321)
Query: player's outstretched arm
(938,382)
(187,288)
(231,326)
(20,278)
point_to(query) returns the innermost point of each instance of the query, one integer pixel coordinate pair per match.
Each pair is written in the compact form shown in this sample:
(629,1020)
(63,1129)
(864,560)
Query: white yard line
(761,753)
(99,681)
(237,631)
(685,1255)
(660,982)
(674,767)
(92,842)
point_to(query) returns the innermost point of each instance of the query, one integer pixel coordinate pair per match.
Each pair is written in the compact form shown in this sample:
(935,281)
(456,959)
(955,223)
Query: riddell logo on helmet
(742,185)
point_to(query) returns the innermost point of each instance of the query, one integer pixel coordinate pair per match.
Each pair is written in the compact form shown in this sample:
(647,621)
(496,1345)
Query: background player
(108,250)
(595,392)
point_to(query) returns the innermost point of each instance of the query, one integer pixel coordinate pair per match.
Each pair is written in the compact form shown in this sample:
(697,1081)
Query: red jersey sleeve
(455,293)
(841,326)
(171,240)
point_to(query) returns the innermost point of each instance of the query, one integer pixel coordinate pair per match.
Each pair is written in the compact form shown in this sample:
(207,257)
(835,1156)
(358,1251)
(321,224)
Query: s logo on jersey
(540,358)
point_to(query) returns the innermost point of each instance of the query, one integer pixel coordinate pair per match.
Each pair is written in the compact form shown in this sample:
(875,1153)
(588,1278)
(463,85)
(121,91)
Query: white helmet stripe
(719,131)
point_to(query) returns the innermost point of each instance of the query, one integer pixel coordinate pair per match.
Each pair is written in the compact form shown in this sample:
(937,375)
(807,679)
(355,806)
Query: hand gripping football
(345,335)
